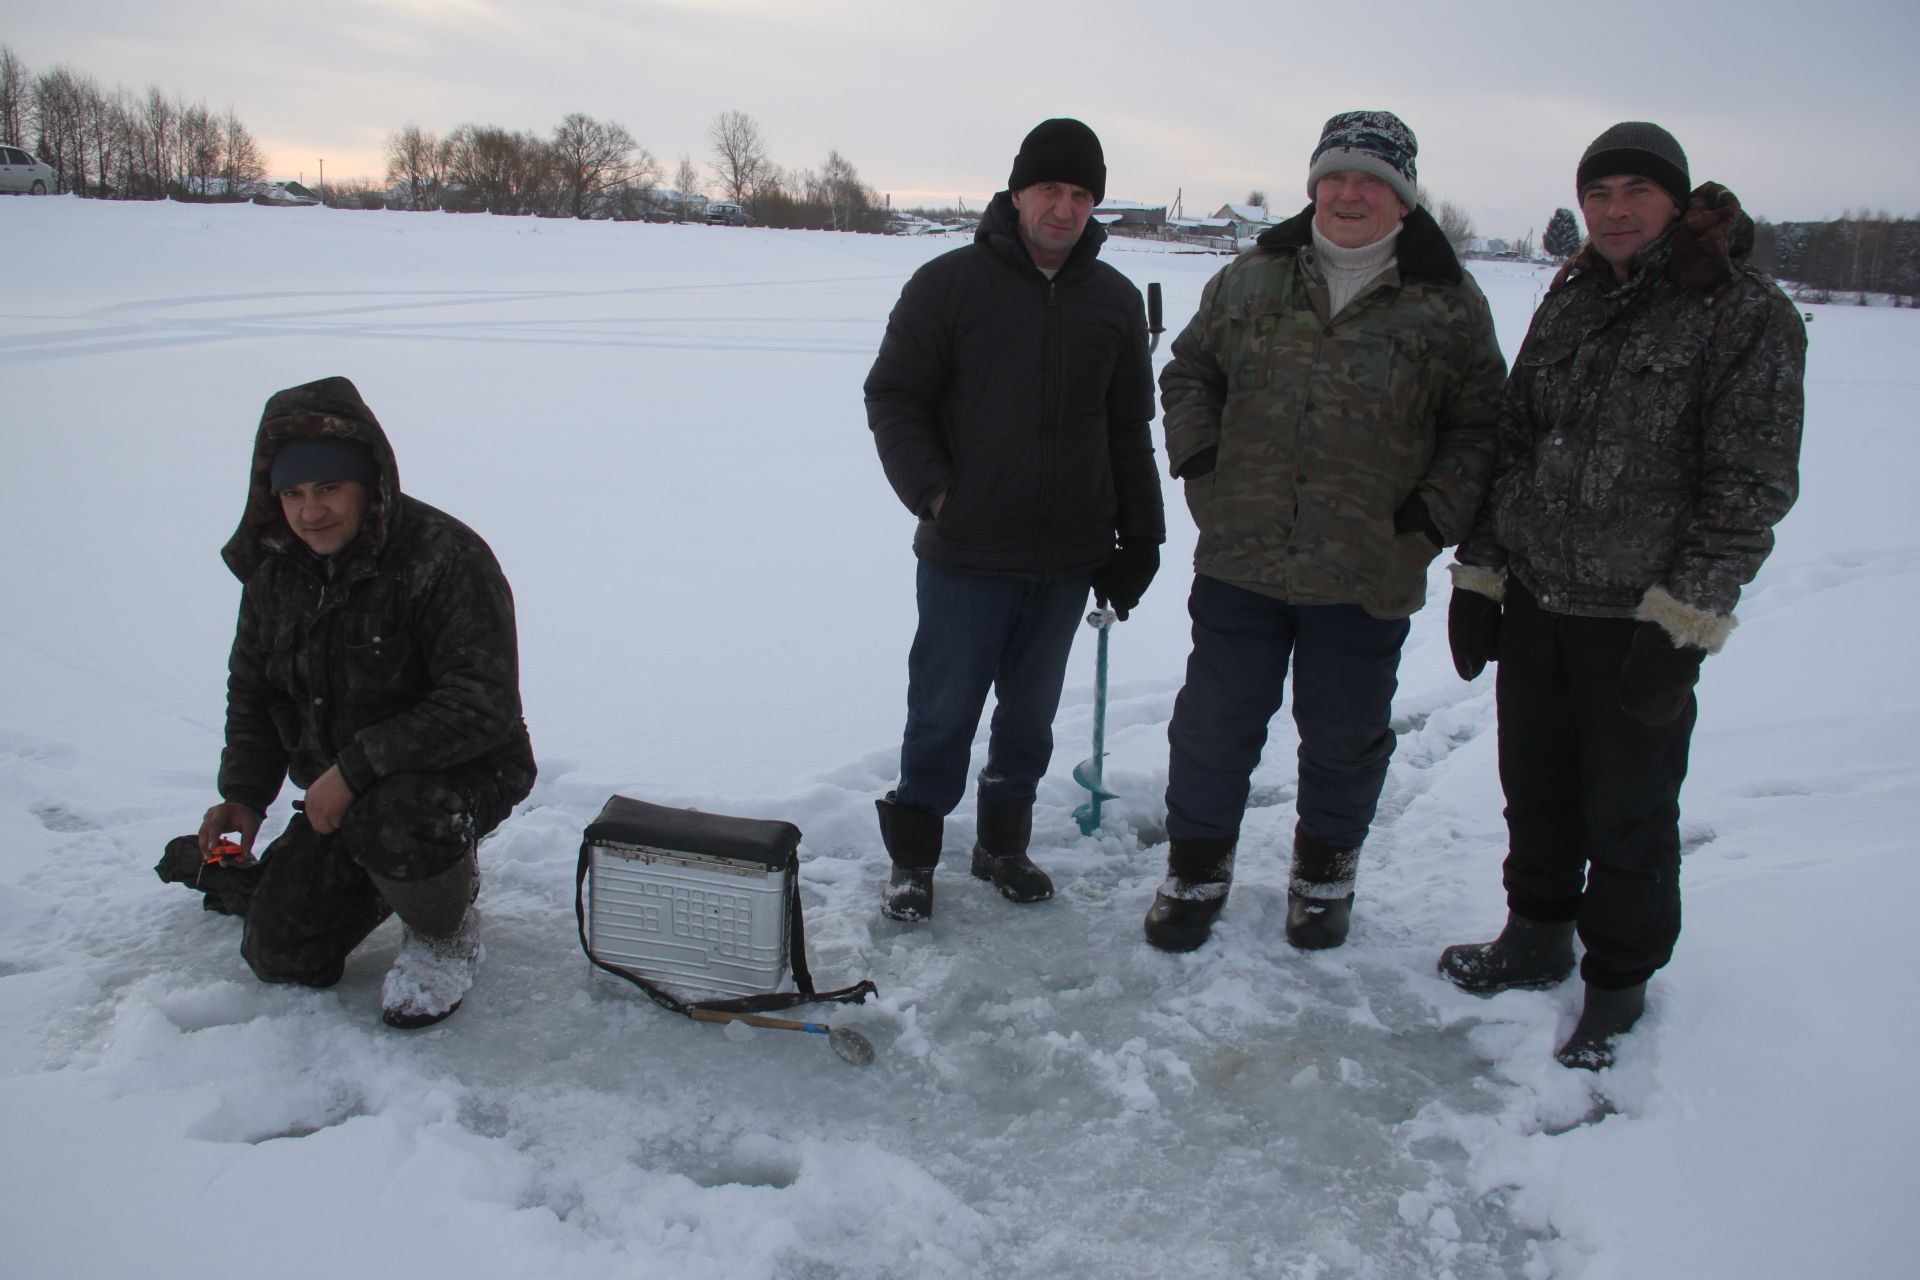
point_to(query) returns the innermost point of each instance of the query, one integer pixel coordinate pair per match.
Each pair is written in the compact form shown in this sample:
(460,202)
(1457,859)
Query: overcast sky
(1805,109)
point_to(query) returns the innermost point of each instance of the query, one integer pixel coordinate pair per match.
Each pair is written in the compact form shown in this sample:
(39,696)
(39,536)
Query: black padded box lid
(766,841)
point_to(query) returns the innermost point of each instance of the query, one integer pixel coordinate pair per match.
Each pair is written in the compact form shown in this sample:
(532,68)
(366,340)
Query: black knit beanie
(320,461)
(1061,151)
(1641,150)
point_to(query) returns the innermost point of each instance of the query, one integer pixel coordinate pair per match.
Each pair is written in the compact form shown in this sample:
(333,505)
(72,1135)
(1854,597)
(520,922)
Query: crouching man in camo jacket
(1649,442)
(374,663)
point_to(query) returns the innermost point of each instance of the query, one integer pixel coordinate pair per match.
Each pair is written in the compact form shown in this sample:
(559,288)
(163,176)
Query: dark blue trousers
(978,633)
(1593,795)
(1346,666)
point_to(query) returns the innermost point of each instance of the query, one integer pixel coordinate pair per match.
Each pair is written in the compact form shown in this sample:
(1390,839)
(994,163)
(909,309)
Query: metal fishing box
(694,902)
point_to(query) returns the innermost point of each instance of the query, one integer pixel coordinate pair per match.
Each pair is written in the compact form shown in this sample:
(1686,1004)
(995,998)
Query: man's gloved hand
(1657,675)
(1124,578)
(1473,631)
(1413,517)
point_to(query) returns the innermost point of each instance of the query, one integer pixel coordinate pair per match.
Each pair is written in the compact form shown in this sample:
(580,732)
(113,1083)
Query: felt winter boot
(1607,1016)
(440,947)
(1528,955)
(912,836)
(1320,893)
(1199,873)
(1000,853)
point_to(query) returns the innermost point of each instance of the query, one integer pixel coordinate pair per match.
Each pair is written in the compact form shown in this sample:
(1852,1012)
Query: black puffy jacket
(1027,401)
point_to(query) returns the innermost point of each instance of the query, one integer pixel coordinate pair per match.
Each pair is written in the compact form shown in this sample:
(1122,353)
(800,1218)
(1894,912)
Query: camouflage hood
(330,408)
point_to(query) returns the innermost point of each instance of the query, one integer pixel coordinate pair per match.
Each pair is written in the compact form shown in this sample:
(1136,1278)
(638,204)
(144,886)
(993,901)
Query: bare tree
(592,159)
(740,161)
(1257,198)
(500,172)
(201,148)
(415,161)
(16,97)
(241,161)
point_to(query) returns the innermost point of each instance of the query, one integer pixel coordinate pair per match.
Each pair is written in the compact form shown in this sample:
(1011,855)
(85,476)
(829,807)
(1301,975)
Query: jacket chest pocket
(377,655)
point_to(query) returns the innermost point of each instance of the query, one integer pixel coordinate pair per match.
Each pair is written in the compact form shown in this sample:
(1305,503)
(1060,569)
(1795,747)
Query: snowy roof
(1125,206)
(1244,213)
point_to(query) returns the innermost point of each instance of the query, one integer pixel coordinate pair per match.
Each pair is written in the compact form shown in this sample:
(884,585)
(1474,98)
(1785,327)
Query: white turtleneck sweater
(1350,270)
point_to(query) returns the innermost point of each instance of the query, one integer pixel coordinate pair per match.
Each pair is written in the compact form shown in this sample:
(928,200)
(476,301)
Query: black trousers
(1593,795)
(315,901)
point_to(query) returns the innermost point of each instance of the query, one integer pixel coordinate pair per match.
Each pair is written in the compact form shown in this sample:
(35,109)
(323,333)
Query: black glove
(1657,675)
(1124,578)
(1200,464)
(1473,631)
(1412,517)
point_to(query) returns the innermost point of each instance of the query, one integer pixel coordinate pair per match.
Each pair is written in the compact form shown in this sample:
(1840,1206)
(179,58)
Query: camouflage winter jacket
(1324,426)
(1650,434)
(401,659)
(1028,401)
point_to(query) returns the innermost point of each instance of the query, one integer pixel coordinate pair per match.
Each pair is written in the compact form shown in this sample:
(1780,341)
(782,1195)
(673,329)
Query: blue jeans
(1346,667)
(978,633)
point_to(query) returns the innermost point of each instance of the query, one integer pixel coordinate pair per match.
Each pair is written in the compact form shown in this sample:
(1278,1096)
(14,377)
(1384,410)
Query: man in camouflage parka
(1649,441)
(375,664)
(1330,409)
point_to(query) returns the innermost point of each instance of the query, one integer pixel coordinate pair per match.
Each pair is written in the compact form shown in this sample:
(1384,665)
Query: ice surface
(659,430)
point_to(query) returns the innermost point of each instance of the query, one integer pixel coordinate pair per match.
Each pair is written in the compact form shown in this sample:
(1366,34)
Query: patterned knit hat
(1375,142)
(1640,149)
(1061,151)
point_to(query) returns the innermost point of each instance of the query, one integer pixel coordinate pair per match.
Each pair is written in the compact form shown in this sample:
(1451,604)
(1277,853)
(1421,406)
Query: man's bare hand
(226,817)
(327,801)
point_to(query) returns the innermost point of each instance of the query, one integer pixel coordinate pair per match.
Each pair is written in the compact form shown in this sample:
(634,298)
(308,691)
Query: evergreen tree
(1562,239)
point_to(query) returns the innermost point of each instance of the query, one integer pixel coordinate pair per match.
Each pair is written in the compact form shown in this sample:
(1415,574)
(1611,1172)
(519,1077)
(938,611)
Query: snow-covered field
(659,429)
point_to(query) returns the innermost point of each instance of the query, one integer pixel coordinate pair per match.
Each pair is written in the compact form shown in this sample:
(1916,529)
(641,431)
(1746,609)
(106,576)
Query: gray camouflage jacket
(403,658)
(1650,434)
(1325,426)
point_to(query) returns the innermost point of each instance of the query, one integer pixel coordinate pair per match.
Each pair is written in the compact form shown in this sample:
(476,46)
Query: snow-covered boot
(1607,1016)
(1320,893)
(1000,853)
(440,948)
(1199,873)
(912,836)
(1528,955)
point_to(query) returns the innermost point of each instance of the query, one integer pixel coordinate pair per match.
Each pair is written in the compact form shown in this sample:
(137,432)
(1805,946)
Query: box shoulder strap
(796,959)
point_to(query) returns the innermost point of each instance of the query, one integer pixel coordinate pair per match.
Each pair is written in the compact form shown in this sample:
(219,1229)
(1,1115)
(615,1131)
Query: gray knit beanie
(1375,142)
(1641,150)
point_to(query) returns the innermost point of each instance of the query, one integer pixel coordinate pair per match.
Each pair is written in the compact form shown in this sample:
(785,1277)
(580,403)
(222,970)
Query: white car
(19,172)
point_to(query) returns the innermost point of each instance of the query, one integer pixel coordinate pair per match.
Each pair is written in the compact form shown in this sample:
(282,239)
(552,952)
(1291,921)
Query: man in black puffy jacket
(1011,404)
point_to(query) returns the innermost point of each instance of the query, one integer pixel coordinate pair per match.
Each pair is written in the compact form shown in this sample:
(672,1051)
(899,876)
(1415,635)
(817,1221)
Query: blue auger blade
(1088,774)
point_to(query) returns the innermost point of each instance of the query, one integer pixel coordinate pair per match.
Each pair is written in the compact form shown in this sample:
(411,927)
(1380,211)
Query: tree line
(588,168)
(1861,253)
(119,144)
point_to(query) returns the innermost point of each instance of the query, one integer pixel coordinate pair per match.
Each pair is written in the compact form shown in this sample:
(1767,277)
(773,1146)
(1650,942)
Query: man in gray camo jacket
(375,664)
(1330,410)
(1649,442)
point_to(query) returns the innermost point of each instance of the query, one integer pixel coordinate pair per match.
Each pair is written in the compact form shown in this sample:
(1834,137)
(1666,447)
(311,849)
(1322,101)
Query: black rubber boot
(1529,955)
(1607,1016)
(1000,854)
(1199,873)
(912,836)
(1320,894)
(226,881)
